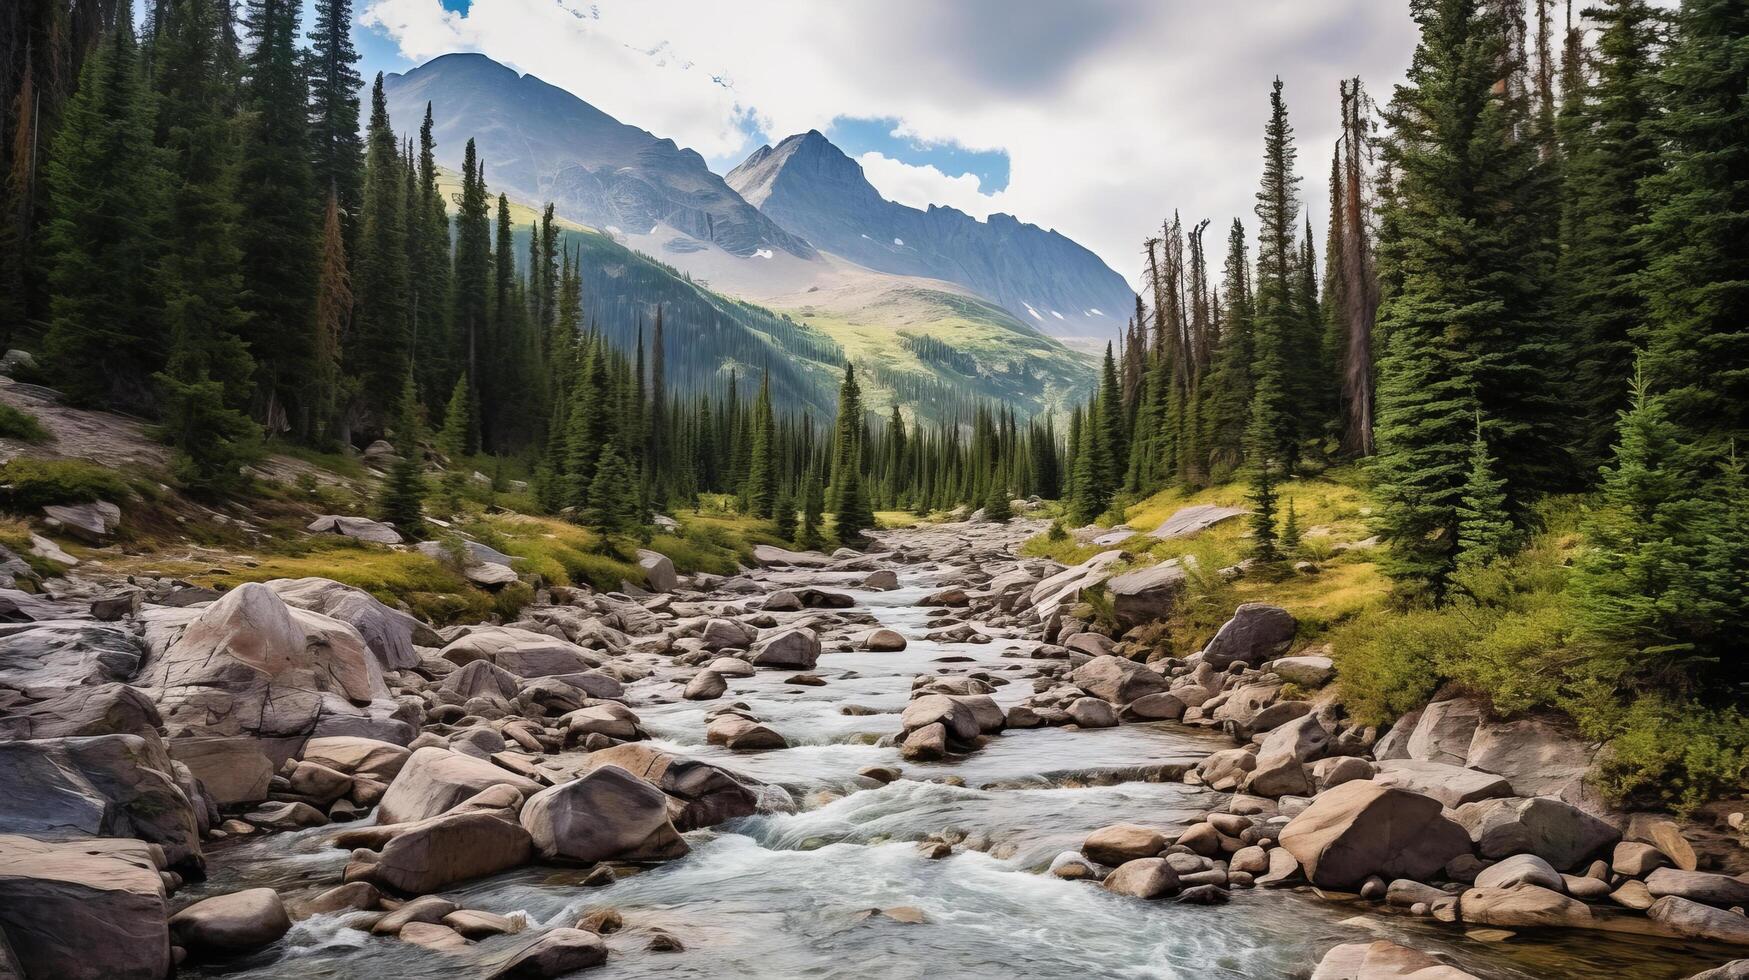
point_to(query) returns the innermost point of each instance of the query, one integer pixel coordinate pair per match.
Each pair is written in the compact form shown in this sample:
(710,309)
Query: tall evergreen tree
(280,240)
(336,153)
(1278,323)
(106,195)
(400,501)
(379,343)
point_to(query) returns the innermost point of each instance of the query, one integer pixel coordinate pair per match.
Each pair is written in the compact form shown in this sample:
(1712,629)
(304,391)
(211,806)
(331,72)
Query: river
(787,894)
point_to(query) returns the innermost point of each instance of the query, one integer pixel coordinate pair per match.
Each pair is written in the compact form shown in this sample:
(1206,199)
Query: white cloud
(1112,112)
(921,186)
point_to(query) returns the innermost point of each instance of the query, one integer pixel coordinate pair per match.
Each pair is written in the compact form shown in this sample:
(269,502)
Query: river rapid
(788,894)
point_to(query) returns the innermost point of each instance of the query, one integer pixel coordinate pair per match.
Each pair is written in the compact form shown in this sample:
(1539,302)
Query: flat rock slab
(1195,520)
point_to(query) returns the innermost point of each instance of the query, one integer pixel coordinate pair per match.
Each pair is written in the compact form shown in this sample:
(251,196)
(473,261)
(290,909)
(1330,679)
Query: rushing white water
(787,894)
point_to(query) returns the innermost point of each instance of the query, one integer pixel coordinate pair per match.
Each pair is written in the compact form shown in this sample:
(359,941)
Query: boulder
(701,795)
(1445,732)
(1686,918)
(107,709)
(1146,594)
(1123,842)
(658,571)
(883,580)
(1522,907)
(1734,970)
(84,910)
(357,528)
(1117,680)
(1143,878)
(1331,772)
(1064,588)
(1662,833)
(607,814)
(608,718)
(234,769)
(43,659)
(1281,760)
(1361,829)
(522,652)
(1257,632)
(1307,672)
(1559,833)
(1520,869)
(797,648)
(740,734)
(434,780)
(92,523)
(98,786)
(229,924)
(1636,860)
(434,854)
(1451,785)
(925,744)
(557,953)
(390,633)
(1093,713)
(1383,960)
(724,634)
(355,756)
(487,575)
(953,714)
(1190,521)
(1538,756)
(482,677)
(882,641)
(705,685)
(1698,886)
(1154,707)
(249,664)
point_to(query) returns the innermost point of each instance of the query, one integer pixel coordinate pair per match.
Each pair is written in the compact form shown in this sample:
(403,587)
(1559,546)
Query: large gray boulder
(235,769)
(230,924)
(1257,632)
(249,664)
(658,570)
(1445,732)
(390,633)
(1117,680)
(606,814)
(98,786)
(725,634)
(1558,832)
(1687,918)
(107,709)
(1524,906)
(1539,756)
(1190,521)
(555,953)
(1698,886)
(84,910)
(796,648)
(357,528)
(522,652)
(953,714)
(700,794)
(1361,828)
(43,659)
(433,781)
(1146,594)
(1451,785)
(434,854)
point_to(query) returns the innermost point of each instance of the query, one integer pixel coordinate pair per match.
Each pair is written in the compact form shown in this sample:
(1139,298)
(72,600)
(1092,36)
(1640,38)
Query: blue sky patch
(858,136)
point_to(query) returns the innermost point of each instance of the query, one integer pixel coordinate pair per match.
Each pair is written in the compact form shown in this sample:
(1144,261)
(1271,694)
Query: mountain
(738,291)
(541,143)
(810,188)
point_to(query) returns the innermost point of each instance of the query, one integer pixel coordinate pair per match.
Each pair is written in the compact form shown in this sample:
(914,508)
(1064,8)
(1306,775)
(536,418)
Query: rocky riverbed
(908,762)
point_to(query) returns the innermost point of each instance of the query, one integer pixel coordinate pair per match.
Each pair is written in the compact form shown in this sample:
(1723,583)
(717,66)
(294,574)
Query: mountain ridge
(811,188)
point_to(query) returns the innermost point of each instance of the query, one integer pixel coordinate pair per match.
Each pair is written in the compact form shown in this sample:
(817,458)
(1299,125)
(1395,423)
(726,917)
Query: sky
(1094,117)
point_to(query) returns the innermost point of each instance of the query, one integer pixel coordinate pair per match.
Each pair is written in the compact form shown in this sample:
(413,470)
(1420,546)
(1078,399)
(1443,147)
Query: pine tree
(612,510)
(1290,531)
(333,315)
(378,352)
(997,508)
(401,499)
(473,271)
(813,506)
(106,193)
(1485,531)
(854,514)
(280,239)
(1227,412)
(336,154)
(1611,149)
(1279,323)
(761,491)
(1263,435)
(784,516)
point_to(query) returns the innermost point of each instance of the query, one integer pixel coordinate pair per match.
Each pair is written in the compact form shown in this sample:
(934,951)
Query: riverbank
(823,824)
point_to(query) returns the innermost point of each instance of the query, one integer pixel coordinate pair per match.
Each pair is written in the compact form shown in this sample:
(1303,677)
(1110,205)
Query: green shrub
(28,484)
(1663,751)
(15,423)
